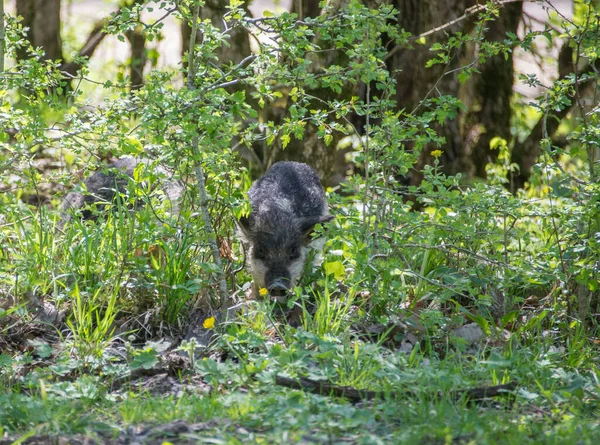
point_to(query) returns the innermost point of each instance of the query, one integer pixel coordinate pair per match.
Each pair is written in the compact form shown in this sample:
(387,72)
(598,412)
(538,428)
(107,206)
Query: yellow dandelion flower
(436,153)
(209,323)
(263,292)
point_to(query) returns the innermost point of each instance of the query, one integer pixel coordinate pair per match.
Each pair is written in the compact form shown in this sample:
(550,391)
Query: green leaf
(497,142)
(463,76)
(145,359)
(510,317)
(5,360)
(42,349)
(132,146)
(138,172)
(335,268)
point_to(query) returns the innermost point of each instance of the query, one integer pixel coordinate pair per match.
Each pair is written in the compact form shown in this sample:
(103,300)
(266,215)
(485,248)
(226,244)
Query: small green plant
(189,347)
(358,363)
(30,248)
(331,313)
(172,263)
(92,320)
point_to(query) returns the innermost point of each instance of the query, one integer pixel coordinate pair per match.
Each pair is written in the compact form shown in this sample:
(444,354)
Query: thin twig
(201,177)
(446,247)
(2,35)
(366,213)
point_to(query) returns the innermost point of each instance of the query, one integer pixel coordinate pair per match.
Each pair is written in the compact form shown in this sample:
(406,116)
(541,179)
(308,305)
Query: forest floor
(260,380)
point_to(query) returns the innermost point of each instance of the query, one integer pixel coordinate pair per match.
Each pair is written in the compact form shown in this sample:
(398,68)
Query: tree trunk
(327,161)
(486,96)
(239,44)
(42,18)
(306,8)
(490,111)
(137,62)
(186,32)
(415,82)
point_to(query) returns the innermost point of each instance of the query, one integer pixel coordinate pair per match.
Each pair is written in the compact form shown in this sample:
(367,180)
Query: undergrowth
(423,291)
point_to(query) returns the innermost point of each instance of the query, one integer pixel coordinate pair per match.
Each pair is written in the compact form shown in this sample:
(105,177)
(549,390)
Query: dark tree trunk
(239,44)
(486,95)
(42,18)
(415,82)
(137,62)
(186,32)
(328,161)
(489,111)
(306,8)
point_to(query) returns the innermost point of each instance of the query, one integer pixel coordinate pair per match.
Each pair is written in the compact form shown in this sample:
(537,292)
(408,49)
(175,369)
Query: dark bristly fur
(286,202)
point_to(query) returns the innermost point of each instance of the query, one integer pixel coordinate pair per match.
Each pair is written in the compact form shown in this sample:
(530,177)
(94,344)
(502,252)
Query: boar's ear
(308,225)
(243,226)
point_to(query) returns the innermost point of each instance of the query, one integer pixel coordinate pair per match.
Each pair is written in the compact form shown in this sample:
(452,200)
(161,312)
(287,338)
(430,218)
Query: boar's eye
(294,252)
(259,253)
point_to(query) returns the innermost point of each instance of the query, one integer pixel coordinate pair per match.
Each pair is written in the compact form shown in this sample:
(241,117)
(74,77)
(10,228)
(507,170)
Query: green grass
(554,404)
(355,315)
(331,313)
(92,324)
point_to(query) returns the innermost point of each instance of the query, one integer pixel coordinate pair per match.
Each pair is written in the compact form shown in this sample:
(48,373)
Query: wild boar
(287,202)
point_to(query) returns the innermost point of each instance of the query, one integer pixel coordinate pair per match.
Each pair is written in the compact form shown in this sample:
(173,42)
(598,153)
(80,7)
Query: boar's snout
(278,290)
(278,282)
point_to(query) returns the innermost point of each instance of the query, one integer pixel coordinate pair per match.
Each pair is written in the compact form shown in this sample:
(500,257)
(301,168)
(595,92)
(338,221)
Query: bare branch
(357,395)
